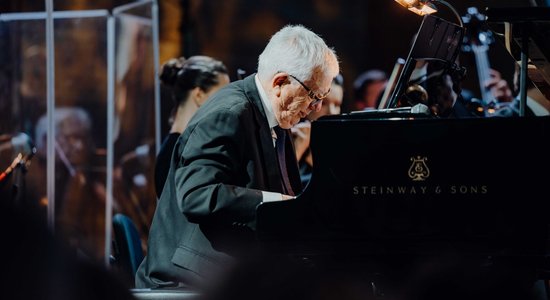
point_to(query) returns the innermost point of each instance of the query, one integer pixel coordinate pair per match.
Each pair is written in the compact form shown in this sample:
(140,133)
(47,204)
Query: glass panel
(80,117)
(22,102)
(81,132)
(134,135)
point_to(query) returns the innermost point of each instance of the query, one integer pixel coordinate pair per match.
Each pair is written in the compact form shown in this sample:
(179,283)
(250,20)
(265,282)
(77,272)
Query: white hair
(75,115)
(297,51)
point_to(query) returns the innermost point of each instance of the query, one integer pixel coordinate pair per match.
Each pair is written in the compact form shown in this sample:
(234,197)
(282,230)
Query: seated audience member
(301,132)
(368,88)
(191,82)
(235,154)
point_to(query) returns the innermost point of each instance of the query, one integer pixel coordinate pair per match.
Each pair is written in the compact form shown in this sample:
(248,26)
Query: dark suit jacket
(206,214)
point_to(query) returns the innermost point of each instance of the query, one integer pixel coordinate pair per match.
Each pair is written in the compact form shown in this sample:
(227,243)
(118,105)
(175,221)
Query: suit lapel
(264,134)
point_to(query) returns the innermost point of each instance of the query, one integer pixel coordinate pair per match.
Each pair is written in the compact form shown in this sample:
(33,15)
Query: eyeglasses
(316,99)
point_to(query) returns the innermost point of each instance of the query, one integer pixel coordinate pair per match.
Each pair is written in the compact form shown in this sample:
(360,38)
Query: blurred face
(296,98)
(373,92)
(331,105)
(74,141)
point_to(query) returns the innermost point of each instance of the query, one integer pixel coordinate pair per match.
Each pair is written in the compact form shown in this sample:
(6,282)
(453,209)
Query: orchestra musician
(191,82)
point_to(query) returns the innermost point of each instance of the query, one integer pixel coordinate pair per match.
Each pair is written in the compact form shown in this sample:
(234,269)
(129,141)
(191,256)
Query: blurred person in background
(79,180)
(368,88)
(191,82)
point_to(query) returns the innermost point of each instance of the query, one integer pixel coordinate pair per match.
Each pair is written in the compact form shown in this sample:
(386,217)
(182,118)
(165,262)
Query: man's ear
(278,81)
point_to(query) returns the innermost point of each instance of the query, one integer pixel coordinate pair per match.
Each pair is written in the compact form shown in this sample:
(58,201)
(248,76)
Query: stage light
(427,7)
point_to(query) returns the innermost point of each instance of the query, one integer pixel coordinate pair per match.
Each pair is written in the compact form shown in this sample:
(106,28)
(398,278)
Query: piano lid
(421,186)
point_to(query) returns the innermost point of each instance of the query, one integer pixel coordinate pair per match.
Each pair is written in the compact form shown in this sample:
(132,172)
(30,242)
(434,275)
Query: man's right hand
(287,197)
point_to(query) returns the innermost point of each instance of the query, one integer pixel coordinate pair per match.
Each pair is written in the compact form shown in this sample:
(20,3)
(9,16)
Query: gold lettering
(484,189)
(453,189)
(424,190)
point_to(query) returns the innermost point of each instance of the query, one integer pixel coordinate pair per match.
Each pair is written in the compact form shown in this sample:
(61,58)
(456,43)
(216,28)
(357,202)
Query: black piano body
(403,186)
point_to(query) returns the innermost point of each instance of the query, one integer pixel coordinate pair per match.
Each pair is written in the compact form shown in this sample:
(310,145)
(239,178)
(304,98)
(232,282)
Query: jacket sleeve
(211,174)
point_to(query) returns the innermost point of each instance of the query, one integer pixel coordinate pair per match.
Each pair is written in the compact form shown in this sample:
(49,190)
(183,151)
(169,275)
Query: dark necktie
(280,148)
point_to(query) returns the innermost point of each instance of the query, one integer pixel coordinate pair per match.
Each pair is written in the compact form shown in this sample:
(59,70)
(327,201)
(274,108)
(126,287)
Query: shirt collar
(268,107)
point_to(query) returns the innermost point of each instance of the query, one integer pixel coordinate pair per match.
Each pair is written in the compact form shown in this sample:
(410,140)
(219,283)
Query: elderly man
(235,153)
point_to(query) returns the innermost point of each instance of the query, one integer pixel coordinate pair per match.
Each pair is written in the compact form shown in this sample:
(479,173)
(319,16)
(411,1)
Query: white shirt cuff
(270,196)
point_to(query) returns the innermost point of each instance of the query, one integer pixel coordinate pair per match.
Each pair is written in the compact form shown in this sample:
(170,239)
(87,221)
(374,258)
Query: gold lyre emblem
(419,169)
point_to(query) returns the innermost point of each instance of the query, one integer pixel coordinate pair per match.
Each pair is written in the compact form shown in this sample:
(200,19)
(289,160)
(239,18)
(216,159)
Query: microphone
(19,143)
(23,144)
(21,149)
(419,109)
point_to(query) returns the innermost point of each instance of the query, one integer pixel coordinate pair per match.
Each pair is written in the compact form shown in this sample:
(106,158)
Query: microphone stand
(16,171)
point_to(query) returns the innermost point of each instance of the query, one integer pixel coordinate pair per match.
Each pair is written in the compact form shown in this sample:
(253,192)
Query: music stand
(436,39)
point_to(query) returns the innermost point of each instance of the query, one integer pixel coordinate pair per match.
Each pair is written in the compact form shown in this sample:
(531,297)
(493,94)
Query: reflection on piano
(403,185)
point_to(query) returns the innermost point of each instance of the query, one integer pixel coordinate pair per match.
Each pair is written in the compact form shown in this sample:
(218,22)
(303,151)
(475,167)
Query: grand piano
(393,186)
(409,184)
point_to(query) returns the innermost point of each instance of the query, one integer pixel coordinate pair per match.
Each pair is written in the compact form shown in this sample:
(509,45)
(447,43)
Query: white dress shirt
(272,121)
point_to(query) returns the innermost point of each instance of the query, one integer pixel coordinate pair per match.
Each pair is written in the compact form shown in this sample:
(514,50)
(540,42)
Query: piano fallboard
(419,186)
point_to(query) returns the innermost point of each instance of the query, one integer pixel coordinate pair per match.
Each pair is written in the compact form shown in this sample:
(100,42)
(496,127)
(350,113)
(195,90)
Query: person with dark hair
(235,154)
(191,82)
(368,88)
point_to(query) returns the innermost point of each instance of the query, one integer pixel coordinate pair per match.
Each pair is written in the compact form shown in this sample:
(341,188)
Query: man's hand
(287,197)
(499,87)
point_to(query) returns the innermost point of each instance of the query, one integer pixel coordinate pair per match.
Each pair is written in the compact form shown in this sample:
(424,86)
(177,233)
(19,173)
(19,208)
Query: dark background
(365,34)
